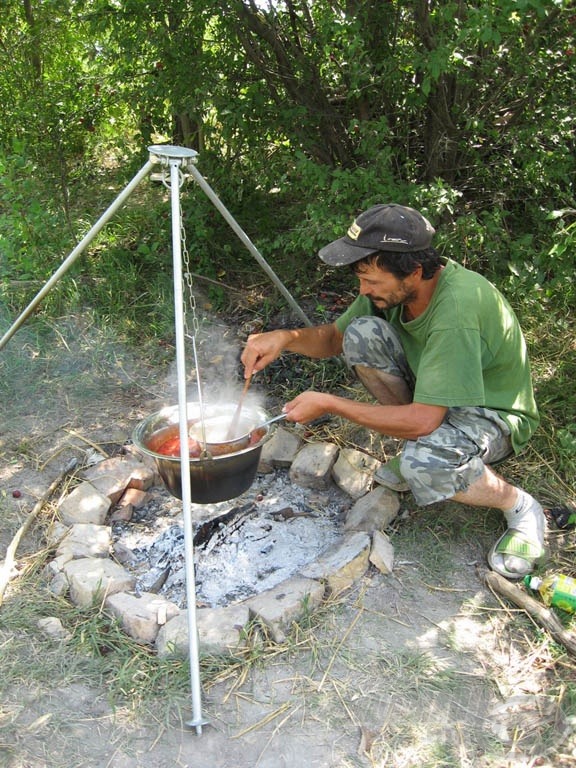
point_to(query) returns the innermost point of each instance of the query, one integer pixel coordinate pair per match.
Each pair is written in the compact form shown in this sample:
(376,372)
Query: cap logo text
(387,239)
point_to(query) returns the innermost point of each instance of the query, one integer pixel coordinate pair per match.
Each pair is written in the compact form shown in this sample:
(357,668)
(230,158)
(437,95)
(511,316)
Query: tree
(464,105)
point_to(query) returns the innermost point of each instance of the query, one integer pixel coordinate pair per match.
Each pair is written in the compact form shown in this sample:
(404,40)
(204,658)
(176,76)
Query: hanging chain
(187,283)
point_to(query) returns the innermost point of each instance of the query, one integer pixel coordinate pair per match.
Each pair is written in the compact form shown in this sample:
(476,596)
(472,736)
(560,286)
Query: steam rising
(220,372)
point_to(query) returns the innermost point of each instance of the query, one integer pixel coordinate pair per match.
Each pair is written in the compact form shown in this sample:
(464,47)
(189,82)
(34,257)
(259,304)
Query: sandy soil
(412,669)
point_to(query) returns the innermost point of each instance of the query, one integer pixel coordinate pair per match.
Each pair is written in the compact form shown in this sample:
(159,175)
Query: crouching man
(442,353)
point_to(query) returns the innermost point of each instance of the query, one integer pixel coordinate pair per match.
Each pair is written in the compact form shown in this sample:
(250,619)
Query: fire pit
(241,548)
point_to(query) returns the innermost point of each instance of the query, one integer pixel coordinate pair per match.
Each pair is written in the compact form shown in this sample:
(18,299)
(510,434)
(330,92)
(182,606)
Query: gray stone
(382,552)
(281,449)
(280,607)
(93,578)
(85,504)
(59,585)
(353,472)
(219,631)
(123,554)
(52,627)
(55,533)
(343,564)
(313,464)
(57,565)
(86,540)
(141,616)
(373,512)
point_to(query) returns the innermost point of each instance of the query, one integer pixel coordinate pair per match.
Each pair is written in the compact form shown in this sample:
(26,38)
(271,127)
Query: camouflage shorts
(447,461)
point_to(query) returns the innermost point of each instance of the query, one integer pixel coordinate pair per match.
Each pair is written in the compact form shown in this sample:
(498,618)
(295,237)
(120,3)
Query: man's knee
(372,342)
(437,472)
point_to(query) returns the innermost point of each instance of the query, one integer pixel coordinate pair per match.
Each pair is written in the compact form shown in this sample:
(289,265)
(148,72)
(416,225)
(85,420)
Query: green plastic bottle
(556,589)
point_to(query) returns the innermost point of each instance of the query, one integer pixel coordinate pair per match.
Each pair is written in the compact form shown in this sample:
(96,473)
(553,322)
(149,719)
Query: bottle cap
(533,582)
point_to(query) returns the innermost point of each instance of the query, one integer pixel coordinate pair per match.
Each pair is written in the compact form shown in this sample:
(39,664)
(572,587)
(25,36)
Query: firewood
(7,566)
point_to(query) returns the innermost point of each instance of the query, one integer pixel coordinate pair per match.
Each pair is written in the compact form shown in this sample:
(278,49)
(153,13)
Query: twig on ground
(95,446)
(274,732)
(265,720)
(538,612)
(10,560)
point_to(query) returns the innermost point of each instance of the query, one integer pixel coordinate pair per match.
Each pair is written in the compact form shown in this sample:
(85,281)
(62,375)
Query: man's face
(383,288)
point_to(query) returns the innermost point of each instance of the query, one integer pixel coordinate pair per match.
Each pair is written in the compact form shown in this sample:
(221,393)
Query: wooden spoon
(233,428)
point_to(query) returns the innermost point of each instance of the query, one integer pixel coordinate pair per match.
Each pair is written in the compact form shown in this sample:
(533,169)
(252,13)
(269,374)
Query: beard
(401,296)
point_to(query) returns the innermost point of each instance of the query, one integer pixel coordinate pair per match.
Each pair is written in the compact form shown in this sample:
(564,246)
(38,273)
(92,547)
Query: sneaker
(389,476)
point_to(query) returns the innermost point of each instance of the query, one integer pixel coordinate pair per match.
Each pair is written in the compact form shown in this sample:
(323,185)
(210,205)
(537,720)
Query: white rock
(382,552)
(280,607)
(219,631)
(343,564)
(313,464)
(373,512)
(281,449)
(353,472)
(93,578)
(52,627)
(141,616)
(86,540)
(128,471)
(85,504)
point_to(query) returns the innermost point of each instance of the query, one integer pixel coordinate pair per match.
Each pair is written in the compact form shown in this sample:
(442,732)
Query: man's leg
(373,350)
(384,387)
(450,464)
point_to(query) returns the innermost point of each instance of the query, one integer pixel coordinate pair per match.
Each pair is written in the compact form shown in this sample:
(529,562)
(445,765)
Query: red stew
(168,444)
(171,447)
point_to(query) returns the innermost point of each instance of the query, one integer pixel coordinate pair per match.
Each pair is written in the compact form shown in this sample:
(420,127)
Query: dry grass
(422,668)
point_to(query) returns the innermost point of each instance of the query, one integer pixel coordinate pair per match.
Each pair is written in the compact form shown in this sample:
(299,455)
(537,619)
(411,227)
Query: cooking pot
(219,470)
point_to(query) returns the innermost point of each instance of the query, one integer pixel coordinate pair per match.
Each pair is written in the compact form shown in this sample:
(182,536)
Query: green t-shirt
(466,349)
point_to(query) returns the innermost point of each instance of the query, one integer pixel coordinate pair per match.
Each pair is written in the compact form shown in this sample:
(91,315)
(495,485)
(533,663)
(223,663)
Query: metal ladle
(219,448)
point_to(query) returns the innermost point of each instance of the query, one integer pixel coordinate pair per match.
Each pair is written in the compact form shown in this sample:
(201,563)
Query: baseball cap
(389,227)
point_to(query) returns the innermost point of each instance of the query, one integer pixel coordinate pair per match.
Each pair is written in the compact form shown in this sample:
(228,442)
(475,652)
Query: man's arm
(318,341)
(405,422)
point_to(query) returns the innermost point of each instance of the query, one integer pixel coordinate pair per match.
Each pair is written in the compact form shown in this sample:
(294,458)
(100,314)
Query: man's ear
(418,271)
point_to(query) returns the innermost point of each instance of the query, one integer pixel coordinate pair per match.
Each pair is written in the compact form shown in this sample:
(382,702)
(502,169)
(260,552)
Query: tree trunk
(35,57)
(278,54)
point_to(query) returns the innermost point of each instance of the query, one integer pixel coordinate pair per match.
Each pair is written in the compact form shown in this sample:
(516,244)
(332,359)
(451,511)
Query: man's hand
(307,406)
(262,348)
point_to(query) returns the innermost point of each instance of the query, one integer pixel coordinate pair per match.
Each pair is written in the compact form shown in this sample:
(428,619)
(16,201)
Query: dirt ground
(421,668)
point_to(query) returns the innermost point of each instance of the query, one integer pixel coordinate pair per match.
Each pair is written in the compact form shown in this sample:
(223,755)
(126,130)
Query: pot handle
(266,423)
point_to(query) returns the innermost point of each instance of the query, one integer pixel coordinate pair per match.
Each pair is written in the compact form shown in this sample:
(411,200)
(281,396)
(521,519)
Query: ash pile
(241,547)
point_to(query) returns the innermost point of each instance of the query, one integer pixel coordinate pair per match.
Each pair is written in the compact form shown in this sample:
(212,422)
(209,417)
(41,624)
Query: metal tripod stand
(179,161)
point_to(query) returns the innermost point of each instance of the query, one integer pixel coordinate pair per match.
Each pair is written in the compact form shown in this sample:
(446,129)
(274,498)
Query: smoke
(219,373)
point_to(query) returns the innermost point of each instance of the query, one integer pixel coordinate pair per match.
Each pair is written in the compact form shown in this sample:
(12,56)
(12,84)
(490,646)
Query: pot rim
(167,412)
